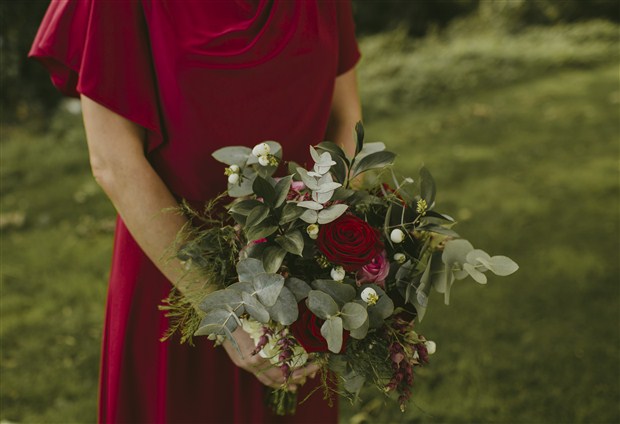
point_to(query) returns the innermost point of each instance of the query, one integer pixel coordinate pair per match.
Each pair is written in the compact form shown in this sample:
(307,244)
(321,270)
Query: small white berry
(313,231)
(264,160)
(400,258)
(337,273)
(233,178)
(431,346)
(397,236)
(369,295)
(234,168)
(261,149)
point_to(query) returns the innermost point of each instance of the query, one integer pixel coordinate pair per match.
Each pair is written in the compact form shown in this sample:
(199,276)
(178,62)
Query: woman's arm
(116,150)
(346,111)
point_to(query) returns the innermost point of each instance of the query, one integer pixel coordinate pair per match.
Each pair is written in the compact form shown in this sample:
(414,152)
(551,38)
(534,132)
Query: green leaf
(282,188)
(340,292)
(370,148)
(332,331)
(290,213)
(242,287)
(474,273)
(245,188)
(268,287)
(474,256)
(264,189)
(217,322)
(360,332)
(332,148)
(249,269)
(353,382)
(321,304)
(500,265)
(265,229)
(438,229)
(428,188)
(218,299)
(232,155)
(244,207)
(331,213)
(272,258)
(456,251)
(373,161)
(257,215)
(358,135)
(255,308)
(298,287)
(342,193)
(353,315)
(292,242)
(285,309)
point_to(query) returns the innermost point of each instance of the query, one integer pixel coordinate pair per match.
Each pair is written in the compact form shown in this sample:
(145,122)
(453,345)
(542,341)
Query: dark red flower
(307,331)
(349,241)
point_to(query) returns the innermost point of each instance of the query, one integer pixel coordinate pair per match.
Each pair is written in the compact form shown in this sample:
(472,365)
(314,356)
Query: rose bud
(374,272)
(261,149)
(337,273)
(397,236)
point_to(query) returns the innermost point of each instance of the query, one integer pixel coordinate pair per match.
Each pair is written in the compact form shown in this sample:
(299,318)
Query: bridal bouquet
(331,265)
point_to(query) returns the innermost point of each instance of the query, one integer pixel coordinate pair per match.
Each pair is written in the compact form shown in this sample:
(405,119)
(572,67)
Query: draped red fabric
(198,75)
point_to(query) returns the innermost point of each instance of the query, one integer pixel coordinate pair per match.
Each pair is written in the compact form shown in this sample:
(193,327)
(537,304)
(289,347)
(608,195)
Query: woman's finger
(303,372)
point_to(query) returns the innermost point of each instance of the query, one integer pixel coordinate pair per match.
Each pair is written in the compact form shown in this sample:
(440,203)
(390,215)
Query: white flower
(369,295)
(431,346)
(313,231)
(397,236)
(337,273)
(261,149)
(400,258)
(264,160)
(233,178)
(234,168)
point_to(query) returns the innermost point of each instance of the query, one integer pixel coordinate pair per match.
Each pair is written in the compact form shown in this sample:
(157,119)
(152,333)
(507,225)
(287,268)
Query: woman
(163,84)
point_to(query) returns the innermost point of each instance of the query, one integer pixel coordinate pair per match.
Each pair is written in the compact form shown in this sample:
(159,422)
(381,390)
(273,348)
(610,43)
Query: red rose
(349,241)
(307,331)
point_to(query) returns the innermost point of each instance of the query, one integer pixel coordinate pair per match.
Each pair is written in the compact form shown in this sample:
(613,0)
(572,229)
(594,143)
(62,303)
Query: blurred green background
(515,108)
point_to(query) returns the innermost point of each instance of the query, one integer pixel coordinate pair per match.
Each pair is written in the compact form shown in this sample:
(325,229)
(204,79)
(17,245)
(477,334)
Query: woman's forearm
(116,150)
(346,111)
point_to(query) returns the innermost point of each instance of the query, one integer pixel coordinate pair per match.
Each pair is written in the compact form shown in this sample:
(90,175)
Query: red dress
(198,75)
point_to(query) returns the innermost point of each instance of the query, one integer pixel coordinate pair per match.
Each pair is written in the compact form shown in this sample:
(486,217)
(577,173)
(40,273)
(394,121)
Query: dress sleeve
(348,49)
(101,49)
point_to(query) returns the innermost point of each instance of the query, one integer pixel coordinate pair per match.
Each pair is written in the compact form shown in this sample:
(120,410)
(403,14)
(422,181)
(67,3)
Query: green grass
(530,169)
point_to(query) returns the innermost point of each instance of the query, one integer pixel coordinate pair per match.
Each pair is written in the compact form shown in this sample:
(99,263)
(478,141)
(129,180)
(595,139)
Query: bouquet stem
(282,402)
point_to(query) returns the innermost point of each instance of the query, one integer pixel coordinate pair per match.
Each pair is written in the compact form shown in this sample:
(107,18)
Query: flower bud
(337,273)
(313,231)
(431,346)
(233,178)
(261,149)
(397,236)
(400,258)
(264,160)
(369,295)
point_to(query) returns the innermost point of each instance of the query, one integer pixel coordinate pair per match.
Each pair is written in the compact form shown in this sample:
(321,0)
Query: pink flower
(294,192)
(374,272)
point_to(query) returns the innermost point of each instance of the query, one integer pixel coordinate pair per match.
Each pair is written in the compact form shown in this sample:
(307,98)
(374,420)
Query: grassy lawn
(529,169)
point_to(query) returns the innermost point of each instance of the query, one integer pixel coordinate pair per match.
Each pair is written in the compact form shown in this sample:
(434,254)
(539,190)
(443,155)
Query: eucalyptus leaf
(309,181)
(232,155)
(478,276)
(373,161)
(353,382)
(309,216)
(272,258)
(473,256)
(353,315)
(242,287)
(290,213)
(331,330)
(340,292)
(500,265)
(282,188)
(217,322)
(268,287)
(245,187)
(310,204)
(285,310)
(255,308)
(361,331)
(264,189)
(456,251)
(322,197)
(292,242)
(321,304)
(298,287)
(249,269)
(218,299)
(331,213)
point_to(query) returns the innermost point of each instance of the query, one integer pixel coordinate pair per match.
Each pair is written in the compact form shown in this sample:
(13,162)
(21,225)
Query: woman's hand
(263,369)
